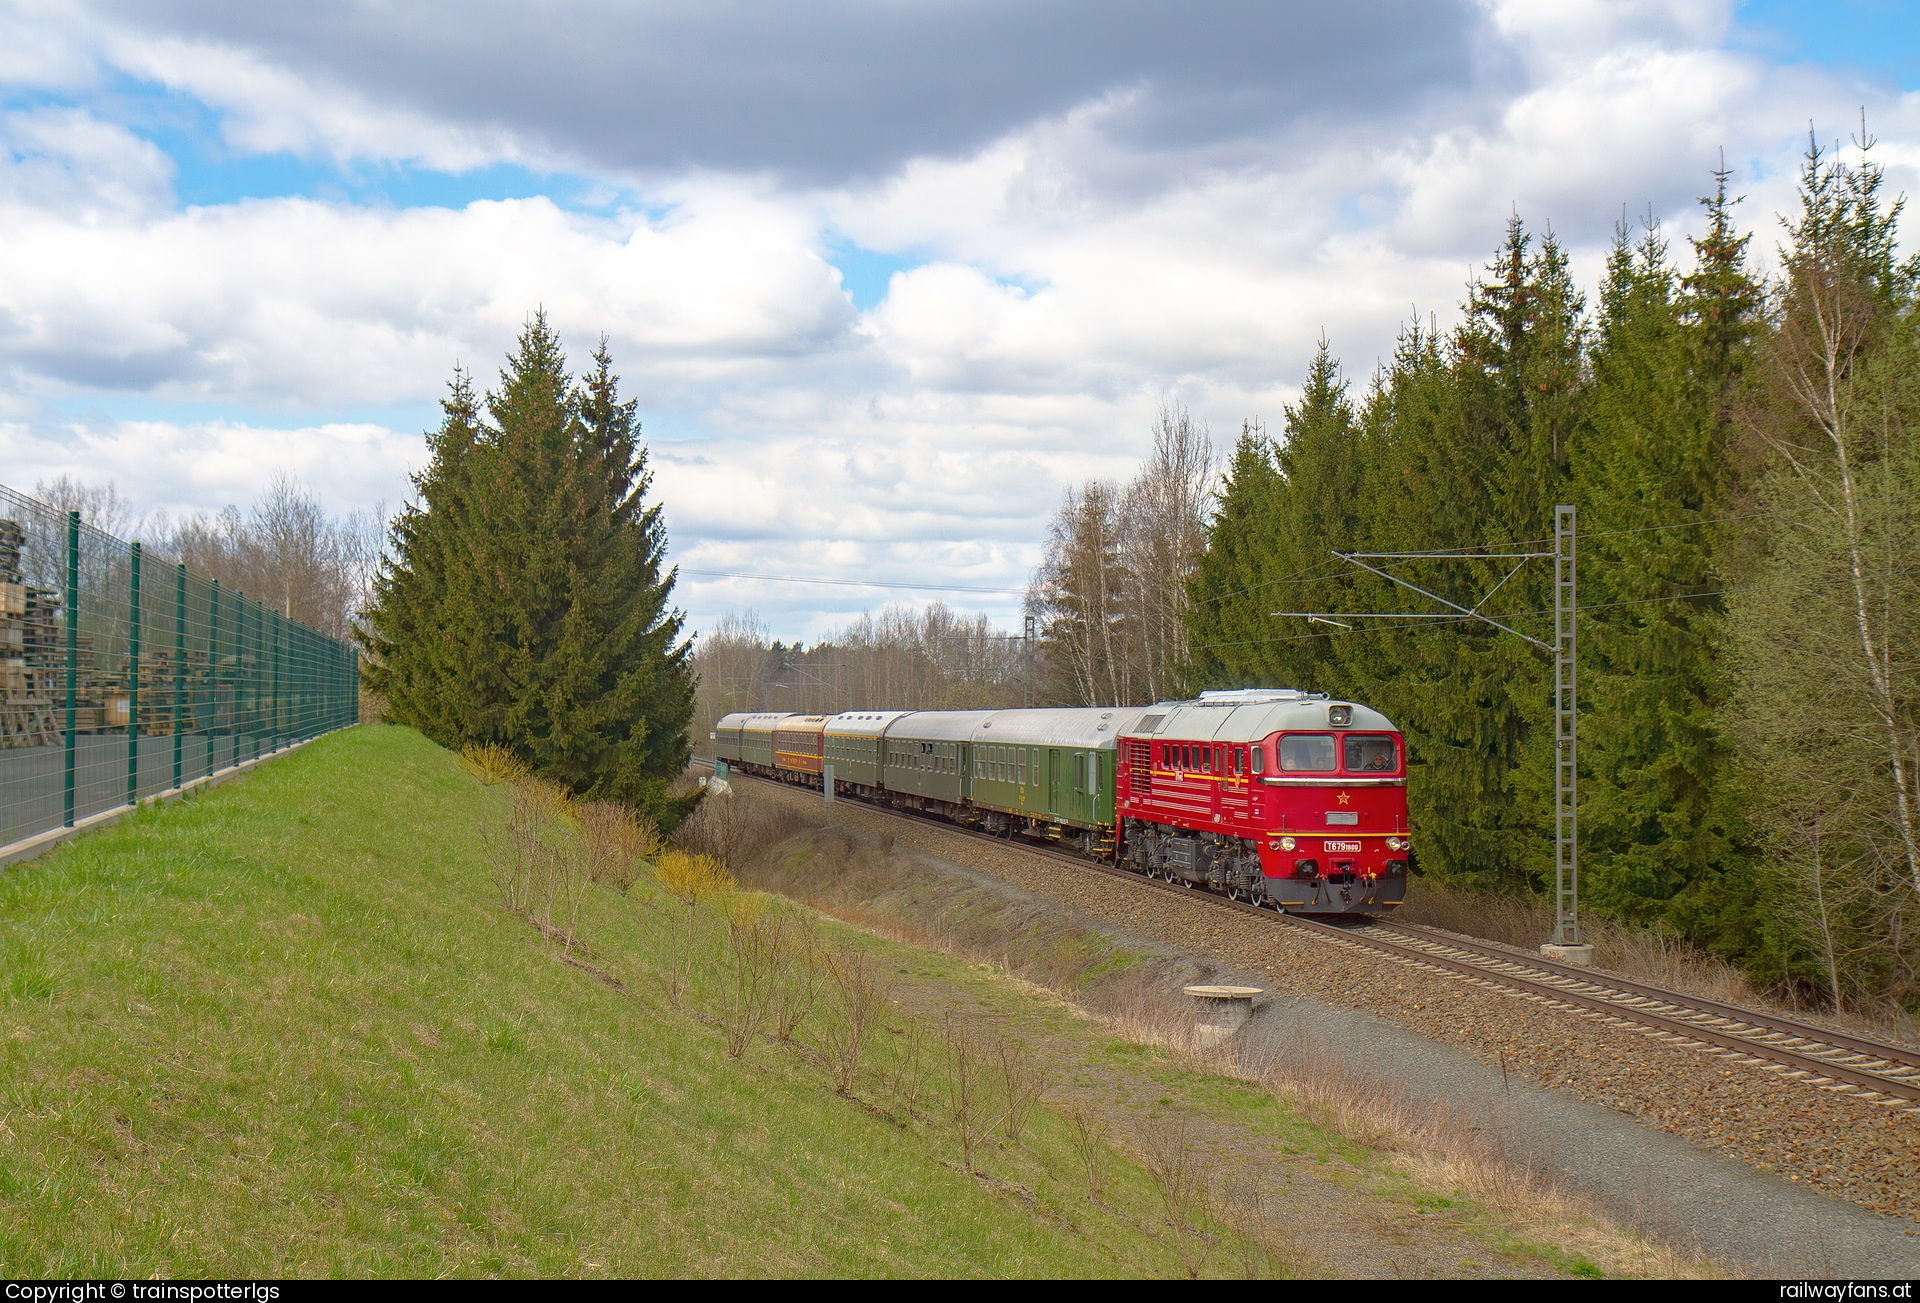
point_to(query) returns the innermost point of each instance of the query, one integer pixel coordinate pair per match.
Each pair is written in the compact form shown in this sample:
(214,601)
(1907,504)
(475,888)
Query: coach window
(1307,753)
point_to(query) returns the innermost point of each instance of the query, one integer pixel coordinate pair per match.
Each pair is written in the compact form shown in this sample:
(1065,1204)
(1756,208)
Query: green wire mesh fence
(123,675)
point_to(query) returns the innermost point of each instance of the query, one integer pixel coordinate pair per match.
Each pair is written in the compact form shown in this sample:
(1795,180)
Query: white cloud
(71,166)
(268,108)
(293,302)
(179,468)
(1066,281)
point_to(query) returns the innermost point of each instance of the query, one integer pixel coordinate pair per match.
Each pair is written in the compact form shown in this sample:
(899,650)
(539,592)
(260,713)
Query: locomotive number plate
(1334,848)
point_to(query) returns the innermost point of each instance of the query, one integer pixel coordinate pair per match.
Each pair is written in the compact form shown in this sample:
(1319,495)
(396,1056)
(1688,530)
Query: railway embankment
(290,1027)
(1772,1173)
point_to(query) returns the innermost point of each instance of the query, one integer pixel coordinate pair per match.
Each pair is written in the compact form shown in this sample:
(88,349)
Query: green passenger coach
(853,747)
(1050,771)
(927,755)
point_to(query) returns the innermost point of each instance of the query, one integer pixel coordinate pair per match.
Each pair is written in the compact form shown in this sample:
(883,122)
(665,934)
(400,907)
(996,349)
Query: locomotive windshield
(1370,755)
(1307,753)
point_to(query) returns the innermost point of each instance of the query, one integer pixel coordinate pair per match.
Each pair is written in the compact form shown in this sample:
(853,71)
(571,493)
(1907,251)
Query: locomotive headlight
(1286,843)
(1396,843)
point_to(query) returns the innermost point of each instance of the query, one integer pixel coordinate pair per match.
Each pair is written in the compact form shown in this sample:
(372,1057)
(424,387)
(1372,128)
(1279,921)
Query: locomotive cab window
(1307,753)
(1259,758)
(1370,754)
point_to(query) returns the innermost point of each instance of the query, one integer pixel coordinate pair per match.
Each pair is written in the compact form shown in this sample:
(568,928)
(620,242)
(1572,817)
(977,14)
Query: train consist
(1278,797)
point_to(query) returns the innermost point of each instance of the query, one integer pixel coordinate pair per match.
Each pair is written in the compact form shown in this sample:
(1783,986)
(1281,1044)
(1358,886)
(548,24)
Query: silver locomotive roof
(1250,714)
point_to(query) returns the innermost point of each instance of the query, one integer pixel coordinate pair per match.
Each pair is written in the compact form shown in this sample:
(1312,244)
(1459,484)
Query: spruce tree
(527,603)
(1657,814)
(1233,583)
(411,663)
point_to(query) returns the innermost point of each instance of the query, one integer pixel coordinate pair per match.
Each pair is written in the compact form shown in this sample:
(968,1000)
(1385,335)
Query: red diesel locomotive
(1278,797)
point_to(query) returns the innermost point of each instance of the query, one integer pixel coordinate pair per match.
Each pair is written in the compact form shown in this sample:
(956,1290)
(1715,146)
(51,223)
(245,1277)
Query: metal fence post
(273,684)
(213,673)
(133,678)
(73,649)
(179,665)
(254,711)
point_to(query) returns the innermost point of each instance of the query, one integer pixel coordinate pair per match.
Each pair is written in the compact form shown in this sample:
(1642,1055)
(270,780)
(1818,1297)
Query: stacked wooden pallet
(29,645)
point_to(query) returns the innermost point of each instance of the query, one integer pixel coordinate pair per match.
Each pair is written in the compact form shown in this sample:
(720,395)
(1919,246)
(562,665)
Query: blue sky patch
(1877,37)
(866,273)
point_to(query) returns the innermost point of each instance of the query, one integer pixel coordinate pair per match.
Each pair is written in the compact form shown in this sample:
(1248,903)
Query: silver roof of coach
(1090,727)
(863,723)
(937,725)
(755,719)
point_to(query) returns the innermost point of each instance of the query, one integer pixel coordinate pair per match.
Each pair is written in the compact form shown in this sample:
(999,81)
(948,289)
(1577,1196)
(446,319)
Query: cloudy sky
(885,275)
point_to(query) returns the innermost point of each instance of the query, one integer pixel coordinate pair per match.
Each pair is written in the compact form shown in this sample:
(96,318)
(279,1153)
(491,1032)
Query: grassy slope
(283,1028)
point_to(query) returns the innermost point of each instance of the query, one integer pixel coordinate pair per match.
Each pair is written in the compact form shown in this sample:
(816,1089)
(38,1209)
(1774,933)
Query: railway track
(1818,1057)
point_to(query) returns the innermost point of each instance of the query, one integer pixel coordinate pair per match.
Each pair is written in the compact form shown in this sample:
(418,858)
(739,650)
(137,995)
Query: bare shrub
(907,1080)
(692,880)
(756,937)
(1181,1178)
(492,763)
(967,1084)
(617,839)
(1022,1078)
(570,880)
(520,853)
(1266,1250)
(1090,1143)
(736,826)
(862,997)
(799,977)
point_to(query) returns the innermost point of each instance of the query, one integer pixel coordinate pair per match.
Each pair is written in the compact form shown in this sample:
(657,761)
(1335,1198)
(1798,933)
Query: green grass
(283,1028)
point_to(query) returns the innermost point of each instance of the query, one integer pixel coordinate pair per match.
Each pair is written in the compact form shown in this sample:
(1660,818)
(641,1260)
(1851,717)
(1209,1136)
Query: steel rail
(1779,1023)
(1501,966)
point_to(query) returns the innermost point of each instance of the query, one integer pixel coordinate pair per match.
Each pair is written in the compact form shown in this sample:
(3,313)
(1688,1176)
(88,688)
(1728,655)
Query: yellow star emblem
(1344,798)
